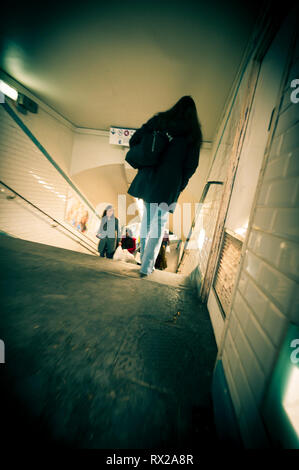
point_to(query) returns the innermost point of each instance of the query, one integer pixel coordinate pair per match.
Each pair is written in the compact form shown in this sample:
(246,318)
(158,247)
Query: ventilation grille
(227,269)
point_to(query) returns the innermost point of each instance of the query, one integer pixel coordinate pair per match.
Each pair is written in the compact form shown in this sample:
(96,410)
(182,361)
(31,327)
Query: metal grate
(227,269)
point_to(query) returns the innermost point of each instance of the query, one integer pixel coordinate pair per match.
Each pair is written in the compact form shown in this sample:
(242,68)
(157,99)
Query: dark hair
(183,111)
(107,208)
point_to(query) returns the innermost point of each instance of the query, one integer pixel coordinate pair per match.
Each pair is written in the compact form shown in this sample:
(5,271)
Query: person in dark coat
(108,233)
(128,242)
(161,261)
(160,186)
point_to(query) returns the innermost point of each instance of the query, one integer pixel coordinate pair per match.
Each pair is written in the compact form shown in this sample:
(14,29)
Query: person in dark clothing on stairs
(160,185)
(128,242)
(108,233)
(161,261)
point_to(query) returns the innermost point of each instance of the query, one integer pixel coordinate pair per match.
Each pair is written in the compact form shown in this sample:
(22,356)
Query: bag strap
(169,136)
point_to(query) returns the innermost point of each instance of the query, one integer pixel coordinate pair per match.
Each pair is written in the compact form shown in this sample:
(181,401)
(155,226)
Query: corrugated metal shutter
(227,269)
(25,169)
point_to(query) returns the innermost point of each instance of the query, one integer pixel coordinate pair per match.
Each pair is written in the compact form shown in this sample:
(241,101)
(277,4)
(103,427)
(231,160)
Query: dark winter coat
(165,182)
(161,262)
(128,243)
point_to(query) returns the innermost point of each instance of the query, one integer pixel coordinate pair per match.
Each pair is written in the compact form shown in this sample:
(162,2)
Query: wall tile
(252,368)
(276,168)
(286,102)
(241,310)
(275,151)
(292,163)
(252,264)
(263,219)
(241,384)
(263,194)
(274,323)
(294,308)
(287,118)
(286,223)
(277,285)
(232,354)
(294,73)
(261,345)
(288,259)
(231,386)
(256,300)
(242,282)
(251,427)
(268,248)
(282,193)
(253,237)
(233,324)
(290,139)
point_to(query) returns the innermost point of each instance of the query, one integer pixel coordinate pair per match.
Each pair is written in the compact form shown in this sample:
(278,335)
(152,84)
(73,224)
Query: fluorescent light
(8,90)
(291,399)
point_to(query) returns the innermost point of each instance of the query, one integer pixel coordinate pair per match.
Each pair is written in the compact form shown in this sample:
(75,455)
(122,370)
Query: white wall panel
(26,170)
(266,298)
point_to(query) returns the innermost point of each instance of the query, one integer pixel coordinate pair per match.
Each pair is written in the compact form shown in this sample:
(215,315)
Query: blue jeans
(151,235)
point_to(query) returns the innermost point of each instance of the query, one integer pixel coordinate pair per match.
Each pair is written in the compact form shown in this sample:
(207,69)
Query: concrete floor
(97,357)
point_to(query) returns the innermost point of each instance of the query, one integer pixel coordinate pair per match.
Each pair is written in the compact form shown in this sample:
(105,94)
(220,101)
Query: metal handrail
(201,201)
(92,250)
(36,142)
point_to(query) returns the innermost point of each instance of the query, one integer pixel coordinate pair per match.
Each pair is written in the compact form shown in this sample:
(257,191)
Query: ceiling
(117,63)
(102,185)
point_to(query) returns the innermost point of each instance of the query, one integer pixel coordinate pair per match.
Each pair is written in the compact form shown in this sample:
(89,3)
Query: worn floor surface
(96,357)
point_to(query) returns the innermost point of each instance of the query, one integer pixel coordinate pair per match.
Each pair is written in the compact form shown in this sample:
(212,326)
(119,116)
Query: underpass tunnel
(200,355)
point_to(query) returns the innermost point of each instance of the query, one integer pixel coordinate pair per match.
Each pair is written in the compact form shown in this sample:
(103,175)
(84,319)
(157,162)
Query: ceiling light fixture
(8,90)
(25,104)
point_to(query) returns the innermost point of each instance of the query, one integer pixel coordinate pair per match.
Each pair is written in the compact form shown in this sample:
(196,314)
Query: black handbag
(148,152)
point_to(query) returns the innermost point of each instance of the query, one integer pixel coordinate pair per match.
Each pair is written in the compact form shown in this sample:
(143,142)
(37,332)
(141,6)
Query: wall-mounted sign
(120,136)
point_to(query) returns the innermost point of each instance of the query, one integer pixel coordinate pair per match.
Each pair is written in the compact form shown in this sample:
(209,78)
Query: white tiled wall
(266,298)
(25,169)
(29,224)
(53,131)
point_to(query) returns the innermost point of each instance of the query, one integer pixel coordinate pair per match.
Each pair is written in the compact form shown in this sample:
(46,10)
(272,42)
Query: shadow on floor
(99,359)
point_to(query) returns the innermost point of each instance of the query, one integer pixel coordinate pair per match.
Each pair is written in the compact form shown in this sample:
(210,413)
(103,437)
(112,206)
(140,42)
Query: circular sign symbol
(126,133)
